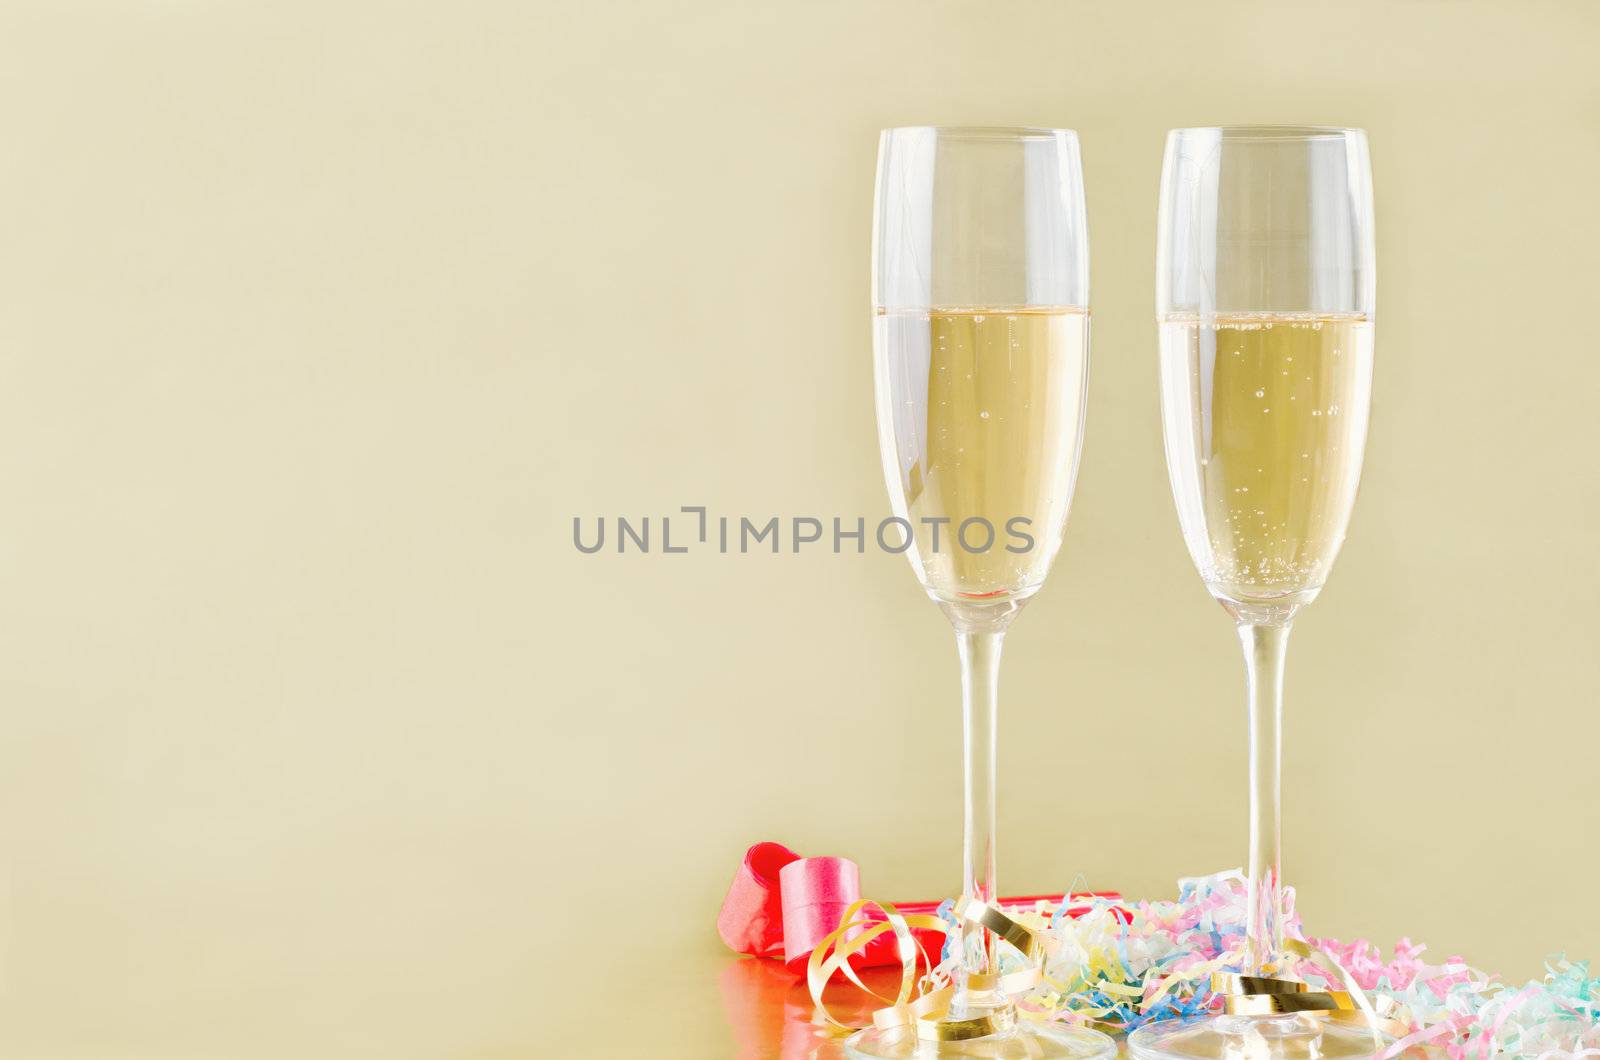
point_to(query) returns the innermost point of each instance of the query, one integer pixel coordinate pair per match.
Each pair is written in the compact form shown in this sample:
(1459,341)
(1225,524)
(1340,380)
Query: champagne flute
(1265,283)
(980,285)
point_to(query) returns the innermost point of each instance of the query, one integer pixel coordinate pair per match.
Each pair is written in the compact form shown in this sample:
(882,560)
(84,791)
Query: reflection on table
(771,1014)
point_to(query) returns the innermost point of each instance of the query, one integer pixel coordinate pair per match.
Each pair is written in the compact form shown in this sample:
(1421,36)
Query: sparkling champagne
(1266,421)
(980,416)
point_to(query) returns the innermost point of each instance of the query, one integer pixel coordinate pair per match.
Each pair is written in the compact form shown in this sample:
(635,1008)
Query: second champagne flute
(1265,287)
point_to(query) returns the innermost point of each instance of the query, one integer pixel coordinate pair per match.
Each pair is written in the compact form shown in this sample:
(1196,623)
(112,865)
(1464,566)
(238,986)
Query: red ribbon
(782,905)
(751,920)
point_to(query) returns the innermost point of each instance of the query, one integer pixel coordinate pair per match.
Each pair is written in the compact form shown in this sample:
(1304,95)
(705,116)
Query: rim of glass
(985,132)
(1275,132)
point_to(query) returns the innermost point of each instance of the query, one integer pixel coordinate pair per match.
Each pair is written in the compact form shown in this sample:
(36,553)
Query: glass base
(1026,1041)
(1291,1037)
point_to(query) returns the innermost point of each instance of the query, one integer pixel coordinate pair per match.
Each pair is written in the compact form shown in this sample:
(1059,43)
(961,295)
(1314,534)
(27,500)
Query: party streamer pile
(1124,964)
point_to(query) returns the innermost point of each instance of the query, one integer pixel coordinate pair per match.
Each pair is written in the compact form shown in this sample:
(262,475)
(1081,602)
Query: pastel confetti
(1123,964)
(1118,964)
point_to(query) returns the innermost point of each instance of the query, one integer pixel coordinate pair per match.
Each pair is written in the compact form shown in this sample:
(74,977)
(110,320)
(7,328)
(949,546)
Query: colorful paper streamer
(1117,965)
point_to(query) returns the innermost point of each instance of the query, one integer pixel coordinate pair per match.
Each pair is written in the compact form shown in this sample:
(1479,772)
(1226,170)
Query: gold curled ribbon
(929,1006)
(1022,939)
(928,1012)
(1278,1002)
(1234,983)
(939,1029)
(851,937)
(1260,995)
(1008,984)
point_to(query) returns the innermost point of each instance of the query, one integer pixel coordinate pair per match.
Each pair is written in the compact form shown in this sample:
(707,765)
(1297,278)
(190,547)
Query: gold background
(319,323)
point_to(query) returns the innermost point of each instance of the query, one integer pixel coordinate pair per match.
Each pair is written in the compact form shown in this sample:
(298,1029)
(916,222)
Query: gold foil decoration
(928,1011)
(1258,995)
(922,1005)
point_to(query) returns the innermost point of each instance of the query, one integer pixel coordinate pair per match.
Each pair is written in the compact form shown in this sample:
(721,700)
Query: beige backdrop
(320,322)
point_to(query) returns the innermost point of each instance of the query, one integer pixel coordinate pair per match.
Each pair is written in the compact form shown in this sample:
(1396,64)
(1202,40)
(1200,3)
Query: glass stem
(1264,648)
(980,678)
